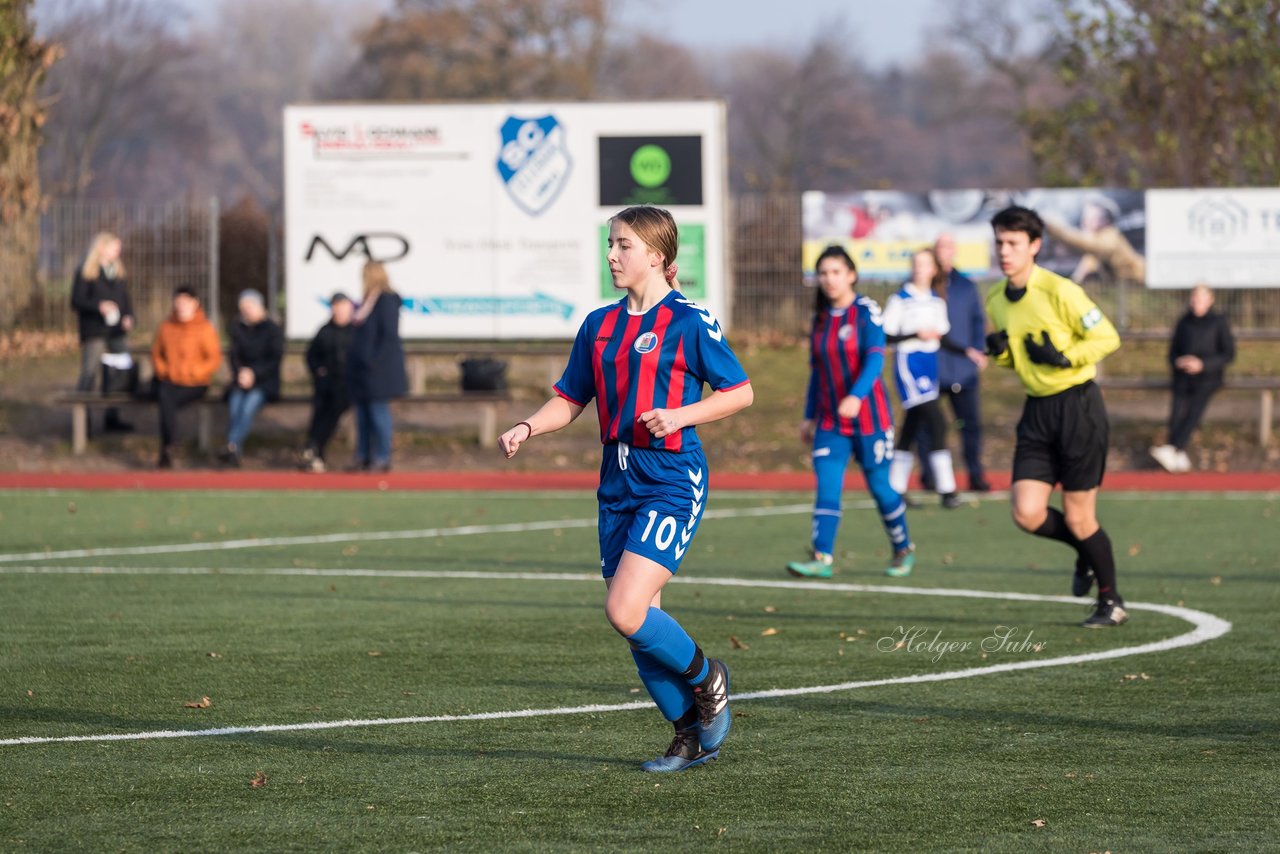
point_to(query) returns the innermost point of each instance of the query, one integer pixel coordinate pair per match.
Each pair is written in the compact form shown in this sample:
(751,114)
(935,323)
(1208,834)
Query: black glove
(997,343)
(1045,353)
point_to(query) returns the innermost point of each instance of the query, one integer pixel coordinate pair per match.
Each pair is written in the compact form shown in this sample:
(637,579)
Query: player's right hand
(997,342)
(510,441)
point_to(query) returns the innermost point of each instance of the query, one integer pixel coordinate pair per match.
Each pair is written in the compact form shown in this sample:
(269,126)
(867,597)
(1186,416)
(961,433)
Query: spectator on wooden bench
(100,297)
(327,362)
(257,347)
(1199,352)
(185,355)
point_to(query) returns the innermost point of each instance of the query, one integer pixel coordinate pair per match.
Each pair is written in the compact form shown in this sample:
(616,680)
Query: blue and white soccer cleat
(711,700)
(684,752)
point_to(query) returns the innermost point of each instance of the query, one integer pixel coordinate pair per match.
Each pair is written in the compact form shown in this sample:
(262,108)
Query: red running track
(1153,481)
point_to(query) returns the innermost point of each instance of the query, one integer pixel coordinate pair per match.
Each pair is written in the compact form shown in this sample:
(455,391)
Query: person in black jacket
(1199,352)
(257,346)
(100,297)
(375,368)
(327,362)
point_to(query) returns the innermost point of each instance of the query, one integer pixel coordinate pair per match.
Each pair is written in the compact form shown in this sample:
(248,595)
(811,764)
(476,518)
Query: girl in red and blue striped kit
(847,414)
(644,359)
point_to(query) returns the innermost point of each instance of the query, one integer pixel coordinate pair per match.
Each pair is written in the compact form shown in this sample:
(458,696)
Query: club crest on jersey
(645,343)
(844,333)
(533,161)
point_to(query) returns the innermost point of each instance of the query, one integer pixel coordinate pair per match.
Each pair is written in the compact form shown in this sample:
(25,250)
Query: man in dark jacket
(327,362)
(1199,352)
(257,346)
(958,372)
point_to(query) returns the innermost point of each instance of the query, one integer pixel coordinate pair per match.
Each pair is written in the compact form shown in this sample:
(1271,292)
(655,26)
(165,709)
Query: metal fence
(165,245)
(770,296)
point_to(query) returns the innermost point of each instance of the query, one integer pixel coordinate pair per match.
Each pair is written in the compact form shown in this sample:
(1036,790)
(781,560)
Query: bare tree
(1164,93)
(122,113)
(437,50)
(258,58)
(799,121)
(24,60)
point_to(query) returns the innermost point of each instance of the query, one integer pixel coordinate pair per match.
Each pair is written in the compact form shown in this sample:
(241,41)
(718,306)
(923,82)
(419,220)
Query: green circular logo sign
(650,166)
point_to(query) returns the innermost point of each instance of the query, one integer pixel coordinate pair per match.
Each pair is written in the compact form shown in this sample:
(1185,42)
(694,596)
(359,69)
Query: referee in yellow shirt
(1052,335)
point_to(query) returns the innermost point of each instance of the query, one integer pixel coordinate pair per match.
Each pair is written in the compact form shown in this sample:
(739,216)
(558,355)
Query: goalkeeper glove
(997,343)
(1045,353)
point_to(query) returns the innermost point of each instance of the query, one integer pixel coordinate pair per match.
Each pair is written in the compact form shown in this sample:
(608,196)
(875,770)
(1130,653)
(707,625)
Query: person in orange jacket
(185,355)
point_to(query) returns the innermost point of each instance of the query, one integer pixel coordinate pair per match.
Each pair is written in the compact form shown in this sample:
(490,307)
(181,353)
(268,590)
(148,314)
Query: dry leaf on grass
(1135,550)
(1038,822)
(373,653)
(737,644)
(71,507)
(31,693)
(350,551)
(259,780)
(202,703)
(1216,581)
(770,609)
(768,632)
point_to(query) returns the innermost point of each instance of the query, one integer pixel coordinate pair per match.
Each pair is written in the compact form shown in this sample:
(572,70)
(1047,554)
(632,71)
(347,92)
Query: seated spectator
(1199,352)
(185,355)
(257,346)
(327,362)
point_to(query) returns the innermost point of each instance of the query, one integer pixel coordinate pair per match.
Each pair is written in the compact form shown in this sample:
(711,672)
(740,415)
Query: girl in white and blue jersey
(915,321)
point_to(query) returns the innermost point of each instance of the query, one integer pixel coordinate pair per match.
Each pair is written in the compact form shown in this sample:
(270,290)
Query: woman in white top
(915,322)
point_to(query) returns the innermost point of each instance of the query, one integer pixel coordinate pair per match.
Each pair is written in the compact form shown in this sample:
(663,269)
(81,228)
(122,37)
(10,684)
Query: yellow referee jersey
(1076,326)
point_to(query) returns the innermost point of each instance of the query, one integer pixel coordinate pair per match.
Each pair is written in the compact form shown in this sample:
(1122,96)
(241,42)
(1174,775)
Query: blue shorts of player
(874,453)
(917,377)
(651,503)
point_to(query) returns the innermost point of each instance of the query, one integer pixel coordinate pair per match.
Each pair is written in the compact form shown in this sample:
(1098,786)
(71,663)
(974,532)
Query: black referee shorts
(1063,439)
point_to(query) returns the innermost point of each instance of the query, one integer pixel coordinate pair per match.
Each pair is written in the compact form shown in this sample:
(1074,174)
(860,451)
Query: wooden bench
(486,403)
(1266,388)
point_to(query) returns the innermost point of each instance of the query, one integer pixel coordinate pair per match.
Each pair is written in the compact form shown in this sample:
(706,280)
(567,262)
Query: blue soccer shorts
(651,504)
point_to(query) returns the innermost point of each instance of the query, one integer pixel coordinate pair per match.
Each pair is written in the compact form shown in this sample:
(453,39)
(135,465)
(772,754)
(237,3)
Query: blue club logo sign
(533,161)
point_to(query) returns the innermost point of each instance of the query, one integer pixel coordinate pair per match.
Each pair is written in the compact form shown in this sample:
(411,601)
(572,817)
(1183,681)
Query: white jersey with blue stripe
(906,313)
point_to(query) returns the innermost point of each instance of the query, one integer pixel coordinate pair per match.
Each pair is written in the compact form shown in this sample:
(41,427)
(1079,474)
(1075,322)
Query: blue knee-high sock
(893,510)
(670,645)
(826,524)
(670,692)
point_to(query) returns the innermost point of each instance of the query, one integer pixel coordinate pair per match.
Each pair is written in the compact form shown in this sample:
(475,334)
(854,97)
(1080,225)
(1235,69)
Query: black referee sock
(1097,549)
(1055,527)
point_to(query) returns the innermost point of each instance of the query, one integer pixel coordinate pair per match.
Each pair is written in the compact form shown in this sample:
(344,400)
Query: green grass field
(1169,750)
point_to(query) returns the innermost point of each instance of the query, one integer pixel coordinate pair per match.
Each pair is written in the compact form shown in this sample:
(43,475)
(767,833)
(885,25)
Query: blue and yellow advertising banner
(1091,233)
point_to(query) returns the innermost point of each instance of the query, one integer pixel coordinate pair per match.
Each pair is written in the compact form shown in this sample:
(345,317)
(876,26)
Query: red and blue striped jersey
(632,363)
(846,356)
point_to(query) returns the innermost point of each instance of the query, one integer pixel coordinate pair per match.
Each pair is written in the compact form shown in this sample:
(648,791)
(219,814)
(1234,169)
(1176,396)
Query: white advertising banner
(1227,238)
(490,218)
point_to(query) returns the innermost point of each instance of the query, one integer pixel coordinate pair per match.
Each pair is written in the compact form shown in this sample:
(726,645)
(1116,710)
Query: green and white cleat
(819,567)
(904,560)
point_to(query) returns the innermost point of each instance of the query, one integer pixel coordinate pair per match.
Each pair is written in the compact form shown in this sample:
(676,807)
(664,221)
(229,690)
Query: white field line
(1206,627)
(379,536)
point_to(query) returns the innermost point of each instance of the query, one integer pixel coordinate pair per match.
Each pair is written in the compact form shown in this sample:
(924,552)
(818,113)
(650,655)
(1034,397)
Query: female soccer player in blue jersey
(847,413)
(644,359)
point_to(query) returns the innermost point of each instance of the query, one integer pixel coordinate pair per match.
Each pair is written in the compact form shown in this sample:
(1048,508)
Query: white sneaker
(1166,456)
(1182,463)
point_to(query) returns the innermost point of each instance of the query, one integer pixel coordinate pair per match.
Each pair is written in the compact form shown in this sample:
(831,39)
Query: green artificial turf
(1173,750)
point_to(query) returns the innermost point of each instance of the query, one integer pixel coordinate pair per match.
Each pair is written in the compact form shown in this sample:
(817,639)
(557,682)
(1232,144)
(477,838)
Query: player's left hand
(1045,353)
(849,407)
(661,422)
